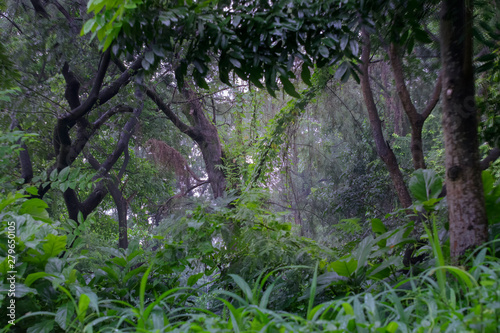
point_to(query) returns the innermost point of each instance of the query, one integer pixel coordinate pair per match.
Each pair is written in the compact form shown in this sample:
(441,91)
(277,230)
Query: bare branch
(434,98)
(12,22)
(110,113)
(68,17)
(170,114)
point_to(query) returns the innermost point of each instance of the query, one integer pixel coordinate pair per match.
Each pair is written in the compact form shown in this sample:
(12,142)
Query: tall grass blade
(312,293)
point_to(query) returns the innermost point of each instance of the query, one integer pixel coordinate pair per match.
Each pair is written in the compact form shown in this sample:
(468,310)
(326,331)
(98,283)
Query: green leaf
(46,326)
(194,278)
(53,175)
(354,47)
(305,74)
(312,294)
(392,327)
(87,26)
(83,305)
(63,175)
(150,57)
(323,50)
(133,273)
(348,308)
(422,36)
(378,227)
(344,267)
(64,314)
(289,87)
(119,261)
(236,63)
(339,73)
(343,42)
(158,51)
(142,288)
(36,208)
(425,184)
(486,57)
(35,276)
(32,190)
(488,181)
(54,245)
(243,286)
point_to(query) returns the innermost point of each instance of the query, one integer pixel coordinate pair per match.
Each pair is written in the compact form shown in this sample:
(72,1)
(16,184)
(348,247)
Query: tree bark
(383,150)
(467,213)
(203,132)
(117,195)
(209,143)
(416,119)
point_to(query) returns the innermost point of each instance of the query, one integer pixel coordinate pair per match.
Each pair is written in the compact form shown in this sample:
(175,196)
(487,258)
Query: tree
(76,104)
(383,149)
(467,215)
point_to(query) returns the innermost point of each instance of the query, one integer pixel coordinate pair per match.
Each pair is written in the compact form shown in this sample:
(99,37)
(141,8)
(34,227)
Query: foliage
(234,30)
(57,297)
(296,165)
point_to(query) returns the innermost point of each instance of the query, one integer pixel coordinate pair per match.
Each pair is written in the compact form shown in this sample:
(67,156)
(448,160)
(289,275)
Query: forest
(249,166)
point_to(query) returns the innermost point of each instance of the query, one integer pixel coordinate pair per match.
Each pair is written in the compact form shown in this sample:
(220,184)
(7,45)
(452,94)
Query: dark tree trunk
(203,132)
(121,208)
(467,214)
(416,119)
(383,150)
(209,143)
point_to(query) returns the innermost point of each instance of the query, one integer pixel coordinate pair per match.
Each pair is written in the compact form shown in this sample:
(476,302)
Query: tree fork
(383,150)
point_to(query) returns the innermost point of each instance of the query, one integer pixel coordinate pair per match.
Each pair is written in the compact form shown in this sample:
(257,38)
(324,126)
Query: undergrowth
(242,270)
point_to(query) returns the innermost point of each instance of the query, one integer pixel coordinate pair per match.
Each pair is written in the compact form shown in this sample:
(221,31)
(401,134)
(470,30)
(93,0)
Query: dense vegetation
(249,166)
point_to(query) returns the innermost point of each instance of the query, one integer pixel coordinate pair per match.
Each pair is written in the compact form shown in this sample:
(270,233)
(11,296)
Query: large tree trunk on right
(467,213)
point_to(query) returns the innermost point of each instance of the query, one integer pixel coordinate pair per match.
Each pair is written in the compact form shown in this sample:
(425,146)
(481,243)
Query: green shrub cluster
(261,278)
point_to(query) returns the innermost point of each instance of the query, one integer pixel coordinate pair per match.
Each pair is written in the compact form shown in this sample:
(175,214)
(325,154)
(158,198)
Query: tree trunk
(121,209)
(467,214)
(203,132)
(207,139)
(416,119)
(383,150)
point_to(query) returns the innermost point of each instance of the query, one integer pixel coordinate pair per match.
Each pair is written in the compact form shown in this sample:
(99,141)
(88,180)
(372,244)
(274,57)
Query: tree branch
(84,108)
(434,98)
(72,87)
(39,9)
(493,155)
(12,22)
(24,156)
(110,113)
(403,93)
(68,17)
(171,115)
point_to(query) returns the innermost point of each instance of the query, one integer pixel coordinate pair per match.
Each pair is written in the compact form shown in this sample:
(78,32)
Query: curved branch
(110,113)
